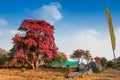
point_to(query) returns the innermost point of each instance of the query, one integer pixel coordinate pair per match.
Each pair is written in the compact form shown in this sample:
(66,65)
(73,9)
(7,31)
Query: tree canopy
(35,43)
(81,54)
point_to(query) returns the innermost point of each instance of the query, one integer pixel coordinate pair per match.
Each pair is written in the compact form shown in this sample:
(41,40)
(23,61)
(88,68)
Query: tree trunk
(33,67)
(37,64)
(31,64)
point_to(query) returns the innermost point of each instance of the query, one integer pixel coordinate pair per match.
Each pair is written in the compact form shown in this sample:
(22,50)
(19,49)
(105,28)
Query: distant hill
(2,51)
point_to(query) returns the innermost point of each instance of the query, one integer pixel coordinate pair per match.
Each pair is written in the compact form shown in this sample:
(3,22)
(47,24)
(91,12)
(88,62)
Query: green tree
(118,63)
(110,64)
(3,60)
(60,58)
(104,61)
(11,53)
(88,56)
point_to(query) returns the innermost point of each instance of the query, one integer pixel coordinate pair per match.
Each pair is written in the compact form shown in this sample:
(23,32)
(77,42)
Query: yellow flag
(111,29)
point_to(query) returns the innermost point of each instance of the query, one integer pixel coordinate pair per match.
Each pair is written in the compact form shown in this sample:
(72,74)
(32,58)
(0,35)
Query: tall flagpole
(111,30)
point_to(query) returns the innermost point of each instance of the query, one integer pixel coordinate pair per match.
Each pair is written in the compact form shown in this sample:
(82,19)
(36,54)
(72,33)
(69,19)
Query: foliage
(97,71)
(80,54)
(68,70)
(23,69)
(11,53)
(114,63)
(110,64)
(88,56)
(3,60)
(77,54)
(104,61)
(35,44)
(47,62)
(97,59)
(118,63)
(60,58)
(2,51)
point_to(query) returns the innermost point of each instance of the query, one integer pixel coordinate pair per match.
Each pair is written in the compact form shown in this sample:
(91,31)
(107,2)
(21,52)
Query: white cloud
(97,42)
(117,41)
(5,39)
(49,12)
(0,33)
(13,32)
(6,43)
(3,22)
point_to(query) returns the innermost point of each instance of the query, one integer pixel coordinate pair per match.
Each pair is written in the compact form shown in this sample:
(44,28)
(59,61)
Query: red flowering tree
(35,44)
(97,59)
(78,54)
(61,57)
(87,56)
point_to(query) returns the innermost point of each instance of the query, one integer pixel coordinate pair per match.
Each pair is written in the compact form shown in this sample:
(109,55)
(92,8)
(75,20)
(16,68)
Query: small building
(65,64)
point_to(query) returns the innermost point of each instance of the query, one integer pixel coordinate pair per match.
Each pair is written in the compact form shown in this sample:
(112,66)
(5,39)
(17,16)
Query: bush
(97,71)
(118,64)
(3,60)
(67,70)
(104,62)
(23,69)
(110,64)
(6,64)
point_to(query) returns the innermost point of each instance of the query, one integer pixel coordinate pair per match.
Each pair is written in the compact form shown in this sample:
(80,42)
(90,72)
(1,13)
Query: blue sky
(78,23)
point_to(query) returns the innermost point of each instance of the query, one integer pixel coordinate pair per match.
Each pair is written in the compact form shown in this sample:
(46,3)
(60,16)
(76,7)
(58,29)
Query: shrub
(104,62)
(97,71)
(3,60)
(23,69)
(110,64)
(67,70)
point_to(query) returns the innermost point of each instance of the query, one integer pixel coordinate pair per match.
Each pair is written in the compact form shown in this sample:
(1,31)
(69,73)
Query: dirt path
(17,74)
(108,74)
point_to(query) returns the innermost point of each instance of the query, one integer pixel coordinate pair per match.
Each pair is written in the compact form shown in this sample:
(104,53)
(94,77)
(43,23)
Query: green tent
(65,64)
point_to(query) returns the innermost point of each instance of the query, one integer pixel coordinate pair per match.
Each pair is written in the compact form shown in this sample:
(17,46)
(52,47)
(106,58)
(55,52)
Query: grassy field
(52,74)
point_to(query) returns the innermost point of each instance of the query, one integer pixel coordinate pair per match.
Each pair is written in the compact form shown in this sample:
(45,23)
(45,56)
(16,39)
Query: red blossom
(97,59)
(38,38)
(17,38)
(63,55)
(30,42)
(78,53)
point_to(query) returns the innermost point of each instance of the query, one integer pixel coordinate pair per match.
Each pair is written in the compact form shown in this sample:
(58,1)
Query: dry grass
(51,74)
